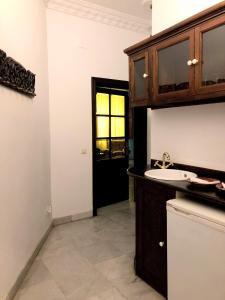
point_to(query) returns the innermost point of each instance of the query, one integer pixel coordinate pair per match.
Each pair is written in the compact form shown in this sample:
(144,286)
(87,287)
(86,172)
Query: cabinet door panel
(151,256)
(139,86)
(210,53)
(140,79)
(174,78)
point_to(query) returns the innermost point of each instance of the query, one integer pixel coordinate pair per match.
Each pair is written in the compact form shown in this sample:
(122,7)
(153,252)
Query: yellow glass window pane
(102,127)
(102,104)
(117,105)
(118,148)
(102,149)
(117,127)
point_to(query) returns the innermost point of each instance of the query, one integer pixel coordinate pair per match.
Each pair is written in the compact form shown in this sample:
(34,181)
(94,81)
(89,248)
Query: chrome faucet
(165,159)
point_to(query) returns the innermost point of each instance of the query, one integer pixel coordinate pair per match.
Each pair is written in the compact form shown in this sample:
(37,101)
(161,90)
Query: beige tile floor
(90,259)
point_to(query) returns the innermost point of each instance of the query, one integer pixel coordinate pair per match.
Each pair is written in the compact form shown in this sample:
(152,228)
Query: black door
(110,141)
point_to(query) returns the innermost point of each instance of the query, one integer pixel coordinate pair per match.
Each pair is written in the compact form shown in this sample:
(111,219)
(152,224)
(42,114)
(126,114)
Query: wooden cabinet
(183,65)
(151,233)
(140,79)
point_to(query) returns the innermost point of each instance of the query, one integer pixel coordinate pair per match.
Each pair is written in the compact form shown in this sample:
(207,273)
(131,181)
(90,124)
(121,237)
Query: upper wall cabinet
(183,65)
(140,79)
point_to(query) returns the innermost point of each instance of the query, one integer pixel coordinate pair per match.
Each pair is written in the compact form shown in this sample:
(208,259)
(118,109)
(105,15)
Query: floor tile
(69,270)
(46,290)
(93,285)
(91,259)
(132,287)
(37,274)
(116,267)
(112,294)
(108,210)
(100,252)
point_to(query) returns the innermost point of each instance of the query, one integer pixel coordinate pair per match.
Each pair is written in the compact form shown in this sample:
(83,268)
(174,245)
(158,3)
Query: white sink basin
(169,174)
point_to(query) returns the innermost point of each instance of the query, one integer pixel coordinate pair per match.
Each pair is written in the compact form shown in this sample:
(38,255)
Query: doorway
(110,141)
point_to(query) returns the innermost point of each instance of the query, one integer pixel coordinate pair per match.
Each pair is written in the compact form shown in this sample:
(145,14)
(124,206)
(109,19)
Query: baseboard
(30,261)
(72,218)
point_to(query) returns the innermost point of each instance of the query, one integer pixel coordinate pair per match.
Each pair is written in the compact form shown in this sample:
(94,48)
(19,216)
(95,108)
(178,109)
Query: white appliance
(196,251)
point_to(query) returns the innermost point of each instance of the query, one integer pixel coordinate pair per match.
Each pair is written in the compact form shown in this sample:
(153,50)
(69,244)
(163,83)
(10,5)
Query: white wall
(78,49)
(192,135)
(167,13)
(24,136)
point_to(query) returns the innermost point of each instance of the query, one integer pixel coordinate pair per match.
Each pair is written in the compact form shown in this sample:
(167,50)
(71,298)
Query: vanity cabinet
(182,65)
(139,68)
(151,233)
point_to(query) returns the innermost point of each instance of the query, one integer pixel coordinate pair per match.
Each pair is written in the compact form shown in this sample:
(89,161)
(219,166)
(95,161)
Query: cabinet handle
(194,61)
(161,244)
(189,62)
(145,75)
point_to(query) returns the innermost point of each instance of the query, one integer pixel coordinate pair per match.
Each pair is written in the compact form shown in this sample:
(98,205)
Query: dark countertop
(209,196)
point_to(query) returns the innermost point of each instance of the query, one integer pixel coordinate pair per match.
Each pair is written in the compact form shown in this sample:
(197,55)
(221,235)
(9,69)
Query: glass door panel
(102,127)
(213,56)
(102,104)
(139,67)
(102,148)
(174,76)
(117,127)
(110,125)
(118,147)
(140,79)
(117,105)
(173,71)
(210,70)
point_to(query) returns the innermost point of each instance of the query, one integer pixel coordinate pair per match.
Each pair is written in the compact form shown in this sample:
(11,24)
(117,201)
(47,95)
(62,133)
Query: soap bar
(204,180)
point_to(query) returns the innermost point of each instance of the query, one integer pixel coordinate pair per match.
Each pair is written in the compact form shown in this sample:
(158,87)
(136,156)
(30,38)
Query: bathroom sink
(169,174)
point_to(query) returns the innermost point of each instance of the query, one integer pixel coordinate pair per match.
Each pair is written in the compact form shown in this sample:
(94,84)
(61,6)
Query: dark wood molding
(140,137)
(15,76)
(187,24)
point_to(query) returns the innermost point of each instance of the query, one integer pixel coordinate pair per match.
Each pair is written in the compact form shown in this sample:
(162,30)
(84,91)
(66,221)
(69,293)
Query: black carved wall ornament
(15,76)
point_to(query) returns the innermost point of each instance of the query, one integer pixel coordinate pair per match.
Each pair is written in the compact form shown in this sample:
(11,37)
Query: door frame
(109,83)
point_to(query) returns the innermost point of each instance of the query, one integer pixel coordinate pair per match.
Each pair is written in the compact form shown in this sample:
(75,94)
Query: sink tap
(165,160)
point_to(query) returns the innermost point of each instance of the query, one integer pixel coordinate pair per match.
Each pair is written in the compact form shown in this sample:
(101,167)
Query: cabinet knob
(189,62)
(145,75)
(161,244)
(194,61)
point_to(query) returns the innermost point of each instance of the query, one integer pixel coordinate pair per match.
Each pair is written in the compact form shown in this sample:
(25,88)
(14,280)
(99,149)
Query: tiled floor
(90,259)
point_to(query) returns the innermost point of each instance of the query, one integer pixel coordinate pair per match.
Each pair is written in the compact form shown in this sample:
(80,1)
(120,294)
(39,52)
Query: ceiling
(131,7)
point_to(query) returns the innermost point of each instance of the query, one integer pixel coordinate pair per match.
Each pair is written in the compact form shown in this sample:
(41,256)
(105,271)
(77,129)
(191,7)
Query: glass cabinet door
(139,78)
(173,68)
(210,56)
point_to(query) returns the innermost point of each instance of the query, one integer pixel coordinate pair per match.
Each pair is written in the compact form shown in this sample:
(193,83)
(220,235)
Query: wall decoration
(15,76)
